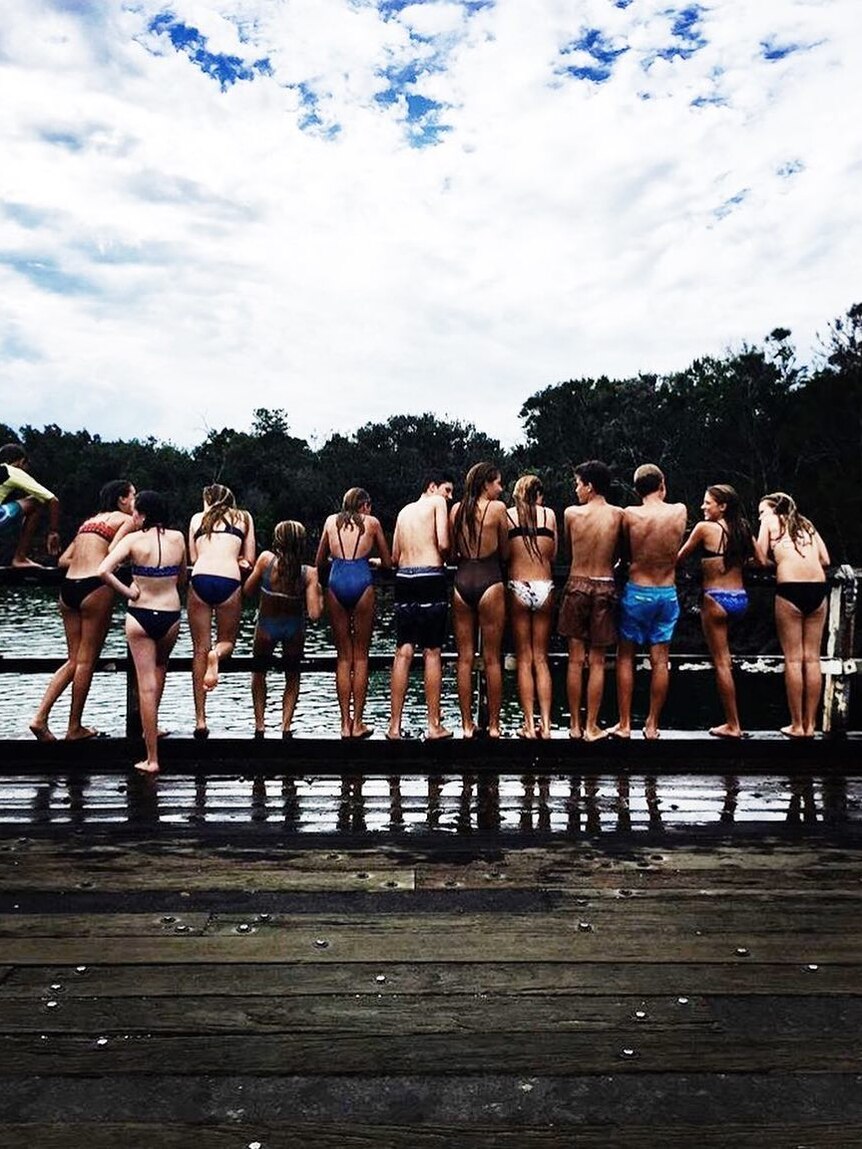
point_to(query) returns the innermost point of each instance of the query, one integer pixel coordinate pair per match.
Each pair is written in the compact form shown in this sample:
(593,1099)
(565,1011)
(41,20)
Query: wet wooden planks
(594,994)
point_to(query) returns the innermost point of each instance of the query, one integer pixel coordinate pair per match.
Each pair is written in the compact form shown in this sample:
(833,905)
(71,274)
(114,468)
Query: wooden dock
(168,980)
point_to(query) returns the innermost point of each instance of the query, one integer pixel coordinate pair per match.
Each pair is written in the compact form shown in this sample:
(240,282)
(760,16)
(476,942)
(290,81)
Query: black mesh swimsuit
(474,575)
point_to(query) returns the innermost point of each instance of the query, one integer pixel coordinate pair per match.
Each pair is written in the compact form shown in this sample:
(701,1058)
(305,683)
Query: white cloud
(280,243)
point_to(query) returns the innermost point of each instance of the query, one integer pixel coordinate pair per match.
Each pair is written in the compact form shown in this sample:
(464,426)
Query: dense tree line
(754,418)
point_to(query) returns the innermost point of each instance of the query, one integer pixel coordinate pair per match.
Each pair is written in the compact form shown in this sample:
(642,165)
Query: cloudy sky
(357,208)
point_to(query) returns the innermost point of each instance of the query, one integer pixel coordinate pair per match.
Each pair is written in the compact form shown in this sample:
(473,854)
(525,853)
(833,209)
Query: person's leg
(433,681)
(574,685)
(522,634)
(228,614)
(339,620)
(143,651)
(713,619)
(200,627)
(60,678)
(31,513)
(289,698)
(542,623)
(812,637)
(95,618)
(398,688)
(262,649)
(595,692)
(464,627)
(625,688)
(659,661)
(492,620)
(789,623)
(363,622)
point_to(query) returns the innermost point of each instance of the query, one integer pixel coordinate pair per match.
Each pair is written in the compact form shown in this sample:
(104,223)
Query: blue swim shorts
(10,513)
(648,614)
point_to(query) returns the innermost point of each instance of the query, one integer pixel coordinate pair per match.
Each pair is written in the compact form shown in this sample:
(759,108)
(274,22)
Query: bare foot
(211,674)
(595,735)
(527,732)
(362,731)
(651,733)
(575,733)
(468,732)
(619,731)
(437,734)
(147,767)
(493,731)
(346,730)
(543,730)
(41,732)
(794,732)
(725,731)
(81,734)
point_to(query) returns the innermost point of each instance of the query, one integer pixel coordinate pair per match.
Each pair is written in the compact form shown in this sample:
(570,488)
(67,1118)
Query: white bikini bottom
(533,595)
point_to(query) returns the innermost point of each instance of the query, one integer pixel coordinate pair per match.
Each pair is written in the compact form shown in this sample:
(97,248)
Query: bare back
(422,533)
(593,534)
(799,560)
(653,533)
(529,563)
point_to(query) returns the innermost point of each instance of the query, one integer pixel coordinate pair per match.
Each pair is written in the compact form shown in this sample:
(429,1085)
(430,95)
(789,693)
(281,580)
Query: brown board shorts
(588,611)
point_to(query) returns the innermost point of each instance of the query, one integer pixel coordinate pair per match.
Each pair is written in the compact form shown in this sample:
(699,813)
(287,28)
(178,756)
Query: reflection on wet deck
(525,805)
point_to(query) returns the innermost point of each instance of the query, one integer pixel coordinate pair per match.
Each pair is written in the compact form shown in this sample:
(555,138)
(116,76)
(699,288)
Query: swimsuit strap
(341,544)
(481,529)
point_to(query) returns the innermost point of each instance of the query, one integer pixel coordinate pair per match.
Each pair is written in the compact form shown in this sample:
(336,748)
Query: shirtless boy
(20,499)
(652,534)
(588,608)
(419,548)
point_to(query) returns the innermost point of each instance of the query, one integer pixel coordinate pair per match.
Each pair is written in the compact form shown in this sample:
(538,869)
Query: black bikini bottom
(156,623)
(73,591)
(805,596)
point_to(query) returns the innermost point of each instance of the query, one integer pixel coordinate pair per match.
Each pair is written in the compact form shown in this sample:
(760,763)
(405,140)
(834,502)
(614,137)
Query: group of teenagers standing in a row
(503,559)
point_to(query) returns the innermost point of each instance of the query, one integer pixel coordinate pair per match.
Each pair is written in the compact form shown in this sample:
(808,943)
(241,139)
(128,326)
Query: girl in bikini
(724,543)
(348,540)
(792,543)
(532,535)
(289,593)
(221,548)
(85,606)
(158,558)
(479,532)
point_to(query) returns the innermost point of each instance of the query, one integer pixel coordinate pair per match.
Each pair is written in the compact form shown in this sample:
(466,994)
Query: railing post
(840,628)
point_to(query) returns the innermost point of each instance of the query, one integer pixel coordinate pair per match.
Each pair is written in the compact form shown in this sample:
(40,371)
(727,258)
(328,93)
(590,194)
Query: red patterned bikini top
(98,527)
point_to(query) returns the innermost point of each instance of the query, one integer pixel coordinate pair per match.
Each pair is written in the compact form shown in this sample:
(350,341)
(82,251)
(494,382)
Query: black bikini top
(705,553)
(230,529)
(542,532)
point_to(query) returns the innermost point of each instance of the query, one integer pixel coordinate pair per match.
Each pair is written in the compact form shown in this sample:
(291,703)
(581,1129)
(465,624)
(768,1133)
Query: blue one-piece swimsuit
(349,577)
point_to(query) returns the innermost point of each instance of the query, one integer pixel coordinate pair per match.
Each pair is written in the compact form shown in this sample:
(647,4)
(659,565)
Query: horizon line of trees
(754,418)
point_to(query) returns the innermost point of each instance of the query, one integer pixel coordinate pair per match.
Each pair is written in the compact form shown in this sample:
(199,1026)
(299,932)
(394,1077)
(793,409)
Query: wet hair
(436,478)
(12,453)
(474,485)
(648,478)
(793,524)
(111,493)
(738,547)
(220,508)
(597,474)
(526,494)
(153,509)
(288,546)
(351,512)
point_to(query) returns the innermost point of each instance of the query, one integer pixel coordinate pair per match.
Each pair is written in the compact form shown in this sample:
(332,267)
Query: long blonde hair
(350,511)
(220,508)
(288,546)
(527,492)
(797,528)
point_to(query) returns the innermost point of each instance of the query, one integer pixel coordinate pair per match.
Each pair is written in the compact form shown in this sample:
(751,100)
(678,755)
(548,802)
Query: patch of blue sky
(622,3)
(789,169)
(770,50)
(713,101)
(68,140)
(45,274)
(594,44)
(225,69)
(24,214)
(13,347)
(686,30)
(310,119)
(731,204)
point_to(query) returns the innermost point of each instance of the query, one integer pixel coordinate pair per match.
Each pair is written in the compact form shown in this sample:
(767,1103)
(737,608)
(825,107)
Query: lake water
(30,626)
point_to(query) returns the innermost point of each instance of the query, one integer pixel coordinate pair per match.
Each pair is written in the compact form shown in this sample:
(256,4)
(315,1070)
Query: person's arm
(552,523)
(691,543)
(192,541)
(441,526)
(503,522)
(396,544)
(763,542)
(252,584)
(322,550)
(822,552)
(249,546)
(568,532)
(65,559)
(110,563)
(313,595)
(125,528)
(382,546)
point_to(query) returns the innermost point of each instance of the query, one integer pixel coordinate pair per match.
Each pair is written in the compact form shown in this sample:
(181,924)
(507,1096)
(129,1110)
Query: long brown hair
(220,508)
(288,546)
(350,511)
(738,547)
(793,524)
(527,492)
(466,515)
